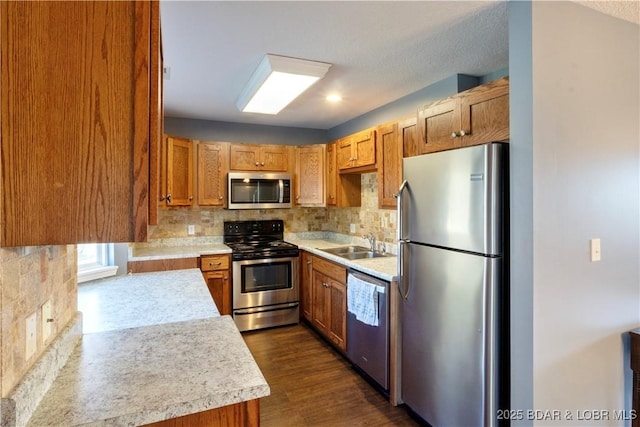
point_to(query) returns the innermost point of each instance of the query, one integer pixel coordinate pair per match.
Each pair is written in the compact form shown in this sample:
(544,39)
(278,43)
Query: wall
(584,182)
(29,276)
(208,130)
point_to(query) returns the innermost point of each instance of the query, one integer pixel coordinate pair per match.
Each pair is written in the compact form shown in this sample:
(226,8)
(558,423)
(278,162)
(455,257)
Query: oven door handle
(265,309)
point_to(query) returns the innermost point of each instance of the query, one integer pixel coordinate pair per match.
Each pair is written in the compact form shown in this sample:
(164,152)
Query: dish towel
(362,300)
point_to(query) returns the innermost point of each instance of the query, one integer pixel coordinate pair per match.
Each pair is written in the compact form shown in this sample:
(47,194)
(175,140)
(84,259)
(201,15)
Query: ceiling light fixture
(334,98)
(277,81)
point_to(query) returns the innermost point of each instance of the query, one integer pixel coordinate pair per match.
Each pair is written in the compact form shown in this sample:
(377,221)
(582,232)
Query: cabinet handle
(215,263)
(169,198)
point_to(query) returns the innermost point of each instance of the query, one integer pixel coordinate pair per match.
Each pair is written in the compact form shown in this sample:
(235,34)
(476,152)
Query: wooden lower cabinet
(324,298)
(246,414)
(216,272)
(161,265)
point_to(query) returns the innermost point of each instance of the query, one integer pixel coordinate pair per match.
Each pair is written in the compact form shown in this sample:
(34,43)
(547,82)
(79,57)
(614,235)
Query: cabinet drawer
(214,262)
(330,269)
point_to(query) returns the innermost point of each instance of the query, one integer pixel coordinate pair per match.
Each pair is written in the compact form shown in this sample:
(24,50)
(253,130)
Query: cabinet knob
(225,278)
(168,198)
(257,163)
(262,163)
(308,262)
(219,197)
(462,132)
(190,197)
(454,135)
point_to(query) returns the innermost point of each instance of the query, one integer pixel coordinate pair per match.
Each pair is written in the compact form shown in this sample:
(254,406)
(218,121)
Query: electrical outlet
(47,320)
(191,230)
(352,228)
(30,348)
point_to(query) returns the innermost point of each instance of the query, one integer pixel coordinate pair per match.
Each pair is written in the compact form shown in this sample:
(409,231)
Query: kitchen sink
(353,252)
(346,250)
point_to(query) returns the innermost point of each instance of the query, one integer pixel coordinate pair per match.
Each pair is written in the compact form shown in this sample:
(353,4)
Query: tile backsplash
(172,222)
(30,276)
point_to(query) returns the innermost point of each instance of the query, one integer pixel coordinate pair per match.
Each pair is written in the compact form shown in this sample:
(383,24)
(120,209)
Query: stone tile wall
(29,276)
(172,222)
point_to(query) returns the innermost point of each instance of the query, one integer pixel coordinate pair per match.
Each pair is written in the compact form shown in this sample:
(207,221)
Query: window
(95,261)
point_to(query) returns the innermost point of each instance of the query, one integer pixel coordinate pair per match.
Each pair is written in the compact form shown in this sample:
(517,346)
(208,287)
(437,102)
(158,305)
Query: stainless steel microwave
(259,190)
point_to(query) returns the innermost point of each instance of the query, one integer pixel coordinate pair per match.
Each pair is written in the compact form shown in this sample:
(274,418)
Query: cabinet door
(331,176)
(320,301)
(179,172)
(75,141)
(345,155)
(485,113)
(364,148)
(220,289)
(212,173)
(274,158)
(310,175)
(437,124)
(337,327)
(390,165)
(244,157)
(306,295)
(408,129)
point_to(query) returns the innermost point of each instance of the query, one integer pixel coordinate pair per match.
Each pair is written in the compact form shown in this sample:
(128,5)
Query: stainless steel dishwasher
(368,343)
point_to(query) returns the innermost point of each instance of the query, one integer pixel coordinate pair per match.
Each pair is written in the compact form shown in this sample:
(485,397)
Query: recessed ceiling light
(334,98)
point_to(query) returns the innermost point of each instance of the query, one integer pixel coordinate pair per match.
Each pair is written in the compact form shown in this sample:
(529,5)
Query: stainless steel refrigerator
(453,269)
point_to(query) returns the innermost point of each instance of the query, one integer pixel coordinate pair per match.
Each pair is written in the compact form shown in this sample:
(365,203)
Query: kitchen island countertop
(155,371)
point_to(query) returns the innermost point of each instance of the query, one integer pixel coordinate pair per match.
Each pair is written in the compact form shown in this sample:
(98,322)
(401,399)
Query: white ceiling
(380,51)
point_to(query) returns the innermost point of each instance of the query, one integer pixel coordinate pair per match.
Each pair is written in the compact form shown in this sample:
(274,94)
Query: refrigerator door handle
(401,242)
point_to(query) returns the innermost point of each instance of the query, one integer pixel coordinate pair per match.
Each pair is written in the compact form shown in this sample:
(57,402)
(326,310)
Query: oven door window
(266,277)
(255,190)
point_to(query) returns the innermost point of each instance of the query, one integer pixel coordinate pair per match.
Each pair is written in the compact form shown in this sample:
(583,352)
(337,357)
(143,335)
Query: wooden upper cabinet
(332,174)
(389,149)
(310,175)
(75,121)
(357,151)
(437,123)
(250,157)
(408,129)
(179,172)
(156,125)
(484,113)
(212,173)
(476,116)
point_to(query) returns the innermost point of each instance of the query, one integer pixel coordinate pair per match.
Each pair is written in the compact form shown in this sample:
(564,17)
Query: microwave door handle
(280,191)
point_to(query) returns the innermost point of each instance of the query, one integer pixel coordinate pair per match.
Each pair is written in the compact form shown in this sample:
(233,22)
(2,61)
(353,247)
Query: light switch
(191,230)
(595,250)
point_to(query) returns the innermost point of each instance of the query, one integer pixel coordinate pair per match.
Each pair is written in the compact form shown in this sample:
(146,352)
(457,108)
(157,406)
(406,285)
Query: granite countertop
(385,268)
(144,299)
(158,349)
(142,375)
(171,252)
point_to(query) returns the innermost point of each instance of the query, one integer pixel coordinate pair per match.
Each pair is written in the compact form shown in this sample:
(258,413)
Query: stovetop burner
(257,240)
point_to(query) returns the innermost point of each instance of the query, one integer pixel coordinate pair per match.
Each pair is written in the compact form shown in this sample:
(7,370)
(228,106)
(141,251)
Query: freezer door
(454,198)
(449,337)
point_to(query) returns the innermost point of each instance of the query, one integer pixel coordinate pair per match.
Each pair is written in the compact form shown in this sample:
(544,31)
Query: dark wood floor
(312,385)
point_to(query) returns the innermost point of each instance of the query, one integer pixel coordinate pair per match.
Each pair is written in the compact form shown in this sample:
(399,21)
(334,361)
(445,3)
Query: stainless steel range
(264,274)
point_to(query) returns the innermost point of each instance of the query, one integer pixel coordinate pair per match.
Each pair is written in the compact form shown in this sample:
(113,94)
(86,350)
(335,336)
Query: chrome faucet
(372,241)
